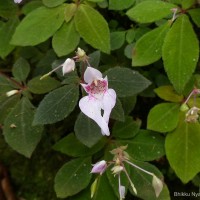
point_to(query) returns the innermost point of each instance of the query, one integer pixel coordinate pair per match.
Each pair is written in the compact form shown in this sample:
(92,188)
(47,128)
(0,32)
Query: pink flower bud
(99,167)
(68,66)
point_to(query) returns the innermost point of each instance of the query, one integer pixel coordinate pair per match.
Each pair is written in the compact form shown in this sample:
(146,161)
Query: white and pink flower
(99,167)
(99,99)
(17,1)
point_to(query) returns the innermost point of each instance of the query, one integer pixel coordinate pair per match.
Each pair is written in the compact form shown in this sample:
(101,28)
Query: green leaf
(52,3)
(163,117)
(70,10)
(167,93)
(143,182)
(30,6)
(57,105)
(6,105)
(187,3)
(65,39)
(103,189)
(117,112)
(126,82)
(5,84)
(128,103)
(9,29)
(117,39)
(150,11)
(92,27)
(8,9)
(18,130)
(146,146)
(87,131)
(180,52)
(127,129)
(21,69)
(73,177)
(120,5)
(45,85)
(71,146)
(41,24)
(195,14)
(148,48)
(183,149)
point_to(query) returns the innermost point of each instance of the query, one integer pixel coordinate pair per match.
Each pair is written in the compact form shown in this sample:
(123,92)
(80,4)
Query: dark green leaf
(71,146)
(180,52)
(21,69)
(6,32)
(5,84)
(87,131)
(148,48)
(117,112)
(18,130)
(57,105)
(183,149)
(8,9)
(41,24)
(117,39)
(195,14)
(163,117)
(52,3)
(93,28)
(128,103)
(73,177)
(150,11)
(126,82)
(38,86)
(65,39)
(30,6)
(120,5)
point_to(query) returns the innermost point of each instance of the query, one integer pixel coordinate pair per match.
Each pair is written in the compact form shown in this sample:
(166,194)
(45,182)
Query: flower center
(97,87)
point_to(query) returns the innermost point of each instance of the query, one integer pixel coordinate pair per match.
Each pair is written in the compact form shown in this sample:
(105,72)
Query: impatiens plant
(109,82)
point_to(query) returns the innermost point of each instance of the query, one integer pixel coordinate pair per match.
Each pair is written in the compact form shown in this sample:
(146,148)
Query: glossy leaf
(21,69)
(150,11)
(93,28)
(87,131)
(163,117)
(73,177)
(148,48)
(52,3)
(127,129)
(167,93)
(56,105)
(6,32)
(65,39)
(183,149)
(120,5)
(71,146)
(180,52)
(42,23)
(45,85)
(18,130)
(146,146)
(195,14)
(126,82)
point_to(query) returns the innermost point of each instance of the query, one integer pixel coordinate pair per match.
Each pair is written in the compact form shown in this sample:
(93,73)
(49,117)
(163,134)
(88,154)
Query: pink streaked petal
(92,108)
(92,74)
(86,87)
(109,101)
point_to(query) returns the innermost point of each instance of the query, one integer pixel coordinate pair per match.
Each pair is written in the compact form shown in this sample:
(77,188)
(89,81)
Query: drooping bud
(117,169)
(11,93)
(122,192)
(99,167)
(157,185)
(93,187)
(68,66)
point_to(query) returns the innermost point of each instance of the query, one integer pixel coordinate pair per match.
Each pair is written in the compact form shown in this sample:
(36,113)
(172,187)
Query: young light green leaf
(73,177)
(71,146)
(195,14)
(163,117)
(183,149)
(87,131)
(148,48)
(41,23)
(117,39)
(120,5)
(52,3)
(18,130)
(21,69)
(92,27)
(65,39)
(126,82)
(6,32)
(180,52)
(57,105)
(167,93)
(150,11)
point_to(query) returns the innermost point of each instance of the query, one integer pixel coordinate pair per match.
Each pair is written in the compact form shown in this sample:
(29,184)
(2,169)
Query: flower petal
(68,66)
(99,167)
(92,108)
(91,74)
(109,101)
